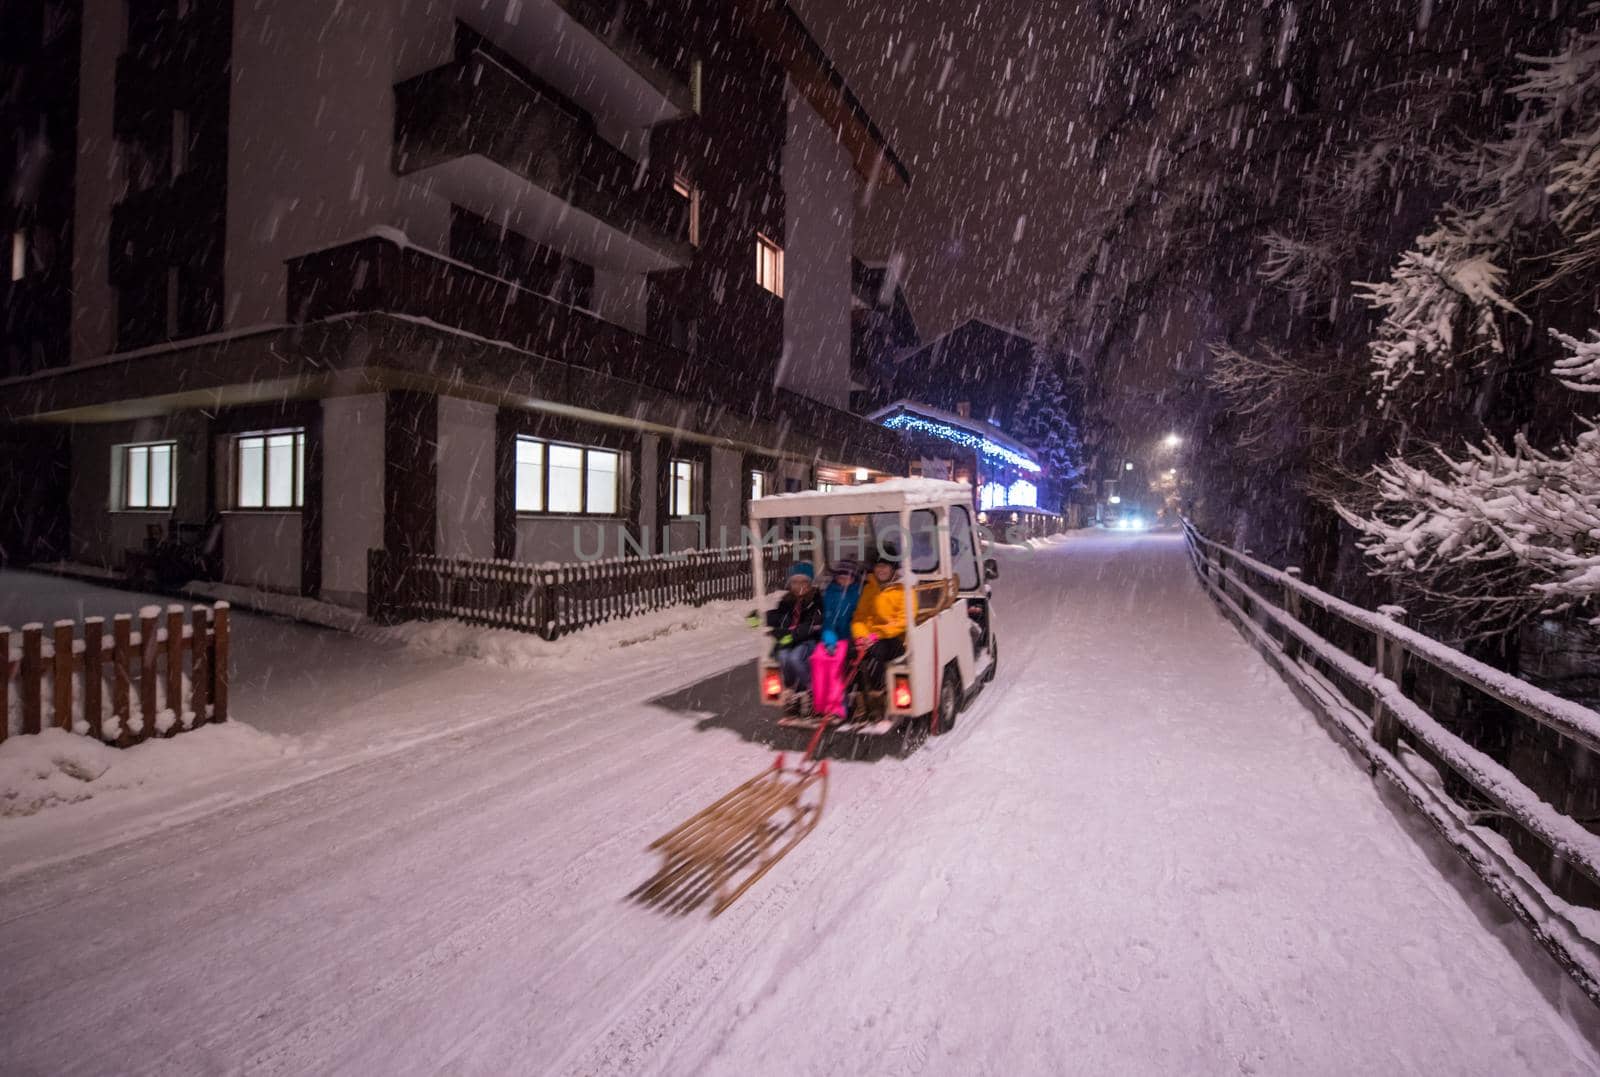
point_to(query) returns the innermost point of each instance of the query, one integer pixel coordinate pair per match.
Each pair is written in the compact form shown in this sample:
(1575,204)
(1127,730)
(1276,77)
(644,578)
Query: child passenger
(830,660)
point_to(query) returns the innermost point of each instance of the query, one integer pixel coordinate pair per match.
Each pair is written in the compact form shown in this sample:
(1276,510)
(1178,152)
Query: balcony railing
(476,106)
(381,274)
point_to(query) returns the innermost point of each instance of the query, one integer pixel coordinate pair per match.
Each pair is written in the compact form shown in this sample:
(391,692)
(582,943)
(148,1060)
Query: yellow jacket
(881,610)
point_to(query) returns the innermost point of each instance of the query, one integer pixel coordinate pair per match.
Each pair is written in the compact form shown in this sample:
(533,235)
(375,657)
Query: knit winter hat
(802,568)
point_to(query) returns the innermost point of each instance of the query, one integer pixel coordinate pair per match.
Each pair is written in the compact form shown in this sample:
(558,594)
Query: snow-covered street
(1136,853)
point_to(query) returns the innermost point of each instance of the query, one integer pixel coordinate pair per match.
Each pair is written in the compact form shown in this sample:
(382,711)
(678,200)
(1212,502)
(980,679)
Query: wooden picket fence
(163,677)
(554,600)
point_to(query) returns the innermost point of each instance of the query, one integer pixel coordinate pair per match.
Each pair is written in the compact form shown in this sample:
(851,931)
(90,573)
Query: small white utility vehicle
(929,525)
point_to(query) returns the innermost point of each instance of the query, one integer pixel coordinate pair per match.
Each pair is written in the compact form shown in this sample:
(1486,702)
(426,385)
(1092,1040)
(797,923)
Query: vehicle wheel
(994,659)
(949,702)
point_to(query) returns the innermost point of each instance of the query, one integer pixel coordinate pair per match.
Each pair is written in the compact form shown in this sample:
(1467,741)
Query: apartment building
(481,278)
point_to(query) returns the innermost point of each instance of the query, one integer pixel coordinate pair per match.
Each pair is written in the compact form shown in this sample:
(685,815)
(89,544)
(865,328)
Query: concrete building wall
(352,493)
(466,478)
(620,298)
(649,461)
(310,135)
(262,550)
(94,305)
(819,217)
(563,539)
(726,489)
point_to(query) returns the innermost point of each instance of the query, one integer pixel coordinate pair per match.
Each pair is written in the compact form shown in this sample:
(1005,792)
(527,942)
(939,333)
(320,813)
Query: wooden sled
(721,851)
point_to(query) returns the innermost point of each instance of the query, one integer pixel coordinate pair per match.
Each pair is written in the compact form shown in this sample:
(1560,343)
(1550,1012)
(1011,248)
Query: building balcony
(481,135)
(384,274)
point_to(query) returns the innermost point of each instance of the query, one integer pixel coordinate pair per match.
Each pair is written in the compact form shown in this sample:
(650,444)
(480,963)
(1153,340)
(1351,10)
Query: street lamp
(1173,441)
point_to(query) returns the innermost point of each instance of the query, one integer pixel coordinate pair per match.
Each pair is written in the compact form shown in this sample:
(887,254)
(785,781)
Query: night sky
(984,104)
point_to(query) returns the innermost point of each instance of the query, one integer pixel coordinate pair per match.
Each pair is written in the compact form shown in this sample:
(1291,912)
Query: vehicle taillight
(771,684)
(902,691)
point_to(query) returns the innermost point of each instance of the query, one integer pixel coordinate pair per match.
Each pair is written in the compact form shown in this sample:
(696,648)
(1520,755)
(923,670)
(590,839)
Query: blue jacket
(838,606)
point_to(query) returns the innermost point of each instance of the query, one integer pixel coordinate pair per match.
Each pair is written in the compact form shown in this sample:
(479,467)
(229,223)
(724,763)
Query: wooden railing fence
(161,678)
(554,600)
(1393,690)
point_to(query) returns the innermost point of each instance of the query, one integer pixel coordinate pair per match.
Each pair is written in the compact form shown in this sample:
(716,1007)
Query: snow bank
(524,651)
(309,610)
(56,767)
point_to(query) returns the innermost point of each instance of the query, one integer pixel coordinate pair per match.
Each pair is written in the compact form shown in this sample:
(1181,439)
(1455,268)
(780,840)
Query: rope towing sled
(721,851)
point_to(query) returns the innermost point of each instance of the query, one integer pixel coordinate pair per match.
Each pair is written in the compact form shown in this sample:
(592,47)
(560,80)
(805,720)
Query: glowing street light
(1172,441)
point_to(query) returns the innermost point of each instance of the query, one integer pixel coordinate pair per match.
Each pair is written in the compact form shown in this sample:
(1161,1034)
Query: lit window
(530,475)
(769,265)
(269,470)
(569,479)
(684,488)
(1023,493)
(19,254)
(758,484)
(691,194)
(992,495)
(147,475)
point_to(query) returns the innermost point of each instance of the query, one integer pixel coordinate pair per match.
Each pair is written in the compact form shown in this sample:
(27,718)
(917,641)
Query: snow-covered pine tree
(1046,421)
(1496,535)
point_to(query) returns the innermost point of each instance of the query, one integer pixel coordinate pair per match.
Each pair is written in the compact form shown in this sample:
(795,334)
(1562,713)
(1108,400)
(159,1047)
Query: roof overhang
(777,26)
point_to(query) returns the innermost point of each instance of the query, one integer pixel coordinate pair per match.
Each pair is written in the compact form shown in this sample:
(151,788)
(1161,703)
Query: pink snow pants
(827,679)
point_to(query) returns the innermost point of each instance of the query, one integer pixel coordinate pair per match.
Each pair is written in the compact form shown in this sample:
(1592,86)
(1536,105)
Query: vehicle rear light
(902,691)
(771,684)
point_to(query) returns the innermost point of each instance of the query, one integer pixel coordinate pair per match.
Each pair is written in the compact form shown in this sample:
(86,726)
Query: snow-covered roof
(891,495)
(976,427)
(1009,330)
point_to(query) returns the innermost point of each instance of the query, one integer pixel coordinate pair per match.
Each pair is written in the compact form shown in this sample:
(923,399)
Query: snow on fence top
(1563,715)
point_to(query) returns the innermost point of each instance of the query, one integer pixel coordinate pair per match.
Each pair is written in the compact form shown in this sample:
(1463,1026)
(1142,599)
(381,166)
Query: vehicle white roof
(891,495)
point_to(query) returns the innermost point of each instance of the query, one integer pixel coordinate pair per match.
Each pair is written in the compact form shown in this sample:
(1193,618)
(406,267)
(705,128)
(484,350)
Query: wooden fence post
(93,636)
(32,677)
(1291,606)
(175,665)
(149,630)
(121,678)
(63,674)
(1390,663)
(219,663)
(199,664)
(5,683)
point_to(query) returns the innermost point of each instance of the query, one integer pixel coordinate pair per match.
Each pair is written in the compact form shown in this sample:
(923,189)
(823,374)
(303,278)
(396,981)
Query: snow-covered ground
(1135,854)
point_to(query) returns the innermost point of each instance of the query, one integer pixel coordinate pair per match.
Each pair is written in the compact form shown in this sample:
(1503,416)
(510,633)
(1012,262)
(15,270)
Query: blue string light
(988,448)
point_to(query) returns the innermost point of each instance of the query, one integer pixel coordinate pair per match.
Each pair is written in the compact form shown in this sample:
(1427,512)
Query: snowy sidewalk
(1135,854)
